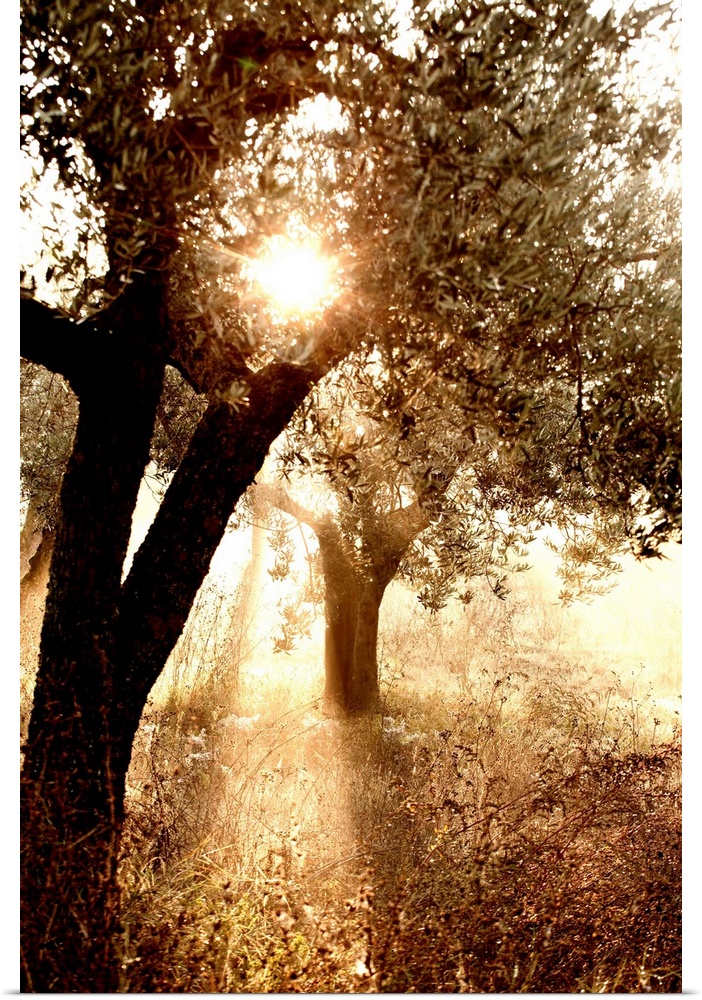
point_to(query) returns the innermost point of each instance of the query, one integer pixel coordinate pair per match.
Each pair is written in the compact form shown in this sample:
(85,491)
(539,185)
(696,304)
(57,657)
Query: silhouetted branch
(49,338)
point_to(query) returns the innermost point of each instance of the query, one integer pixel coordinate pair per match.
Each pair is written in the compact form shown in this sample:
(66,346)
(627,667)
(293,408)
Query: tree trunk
(352,612)
(104,641)
(365,689)
(355,580)
(341,616)
(352,609)
(78,746)
(228,449)
(355,583)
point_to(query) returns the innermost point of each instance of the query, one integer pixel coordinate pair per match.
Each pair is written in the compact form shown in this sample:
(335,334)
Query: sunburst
(296,278)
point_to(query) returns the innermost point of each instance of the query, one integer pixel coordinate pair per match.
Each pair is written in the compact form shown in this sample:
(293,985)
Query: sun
(295,277)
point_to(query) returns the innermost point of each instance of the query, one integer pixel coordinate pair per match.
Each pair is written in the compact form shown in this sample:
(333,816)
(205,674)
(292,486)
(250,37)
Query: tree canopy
(488,184)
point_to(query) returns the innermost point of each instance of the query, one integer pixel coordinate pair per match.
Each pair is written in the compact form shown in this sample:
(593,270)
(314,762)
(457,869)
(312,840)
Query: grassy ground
(510,821)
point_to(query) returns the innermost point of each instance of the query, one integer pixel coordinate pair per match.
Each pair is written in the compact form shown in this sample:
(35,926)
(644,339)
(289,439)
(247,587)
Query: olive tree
(434,496)
(475,190)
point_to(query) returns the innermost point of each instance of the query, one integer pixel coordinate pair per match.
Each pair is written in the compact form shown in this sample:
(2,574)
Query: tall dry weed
(512,827)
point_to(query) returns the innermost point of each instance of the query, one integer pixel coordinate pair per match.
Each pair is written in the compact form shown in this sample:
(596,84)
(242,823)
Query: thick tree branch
(228,448)
(226,452)
(49,338)
(276,496)
(211,366)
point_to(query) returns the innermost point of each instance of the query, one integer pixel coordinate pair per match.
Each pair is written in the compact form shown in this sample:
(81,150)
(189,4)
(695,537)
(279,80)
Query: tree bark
(340,616)
(76,754)
(365,688)
(352,614)
(227,450)
(104,641)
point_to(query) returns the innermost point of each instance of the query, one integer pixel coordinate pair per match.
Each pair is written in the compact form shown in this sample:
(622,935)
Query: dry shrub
(540,871)
(520,836)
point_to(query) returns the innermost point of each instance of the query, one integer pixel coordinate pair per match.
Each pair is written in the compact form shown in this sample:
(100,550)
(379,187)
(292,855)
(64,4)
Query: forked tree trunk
(78,744)
(105,642)
(354,586)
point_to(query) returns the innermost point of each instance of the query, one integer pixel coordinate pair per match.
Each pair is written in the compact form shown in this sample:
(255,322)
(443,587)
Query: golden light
(296,277)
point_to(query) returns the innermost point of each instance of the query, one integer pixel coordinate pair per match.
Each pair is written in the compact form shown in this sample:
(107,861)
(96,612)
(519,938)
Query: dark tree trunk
(352,612)
(340,616)
(365,689)
(104,641)
(227,450)
(77,750)
(355,583)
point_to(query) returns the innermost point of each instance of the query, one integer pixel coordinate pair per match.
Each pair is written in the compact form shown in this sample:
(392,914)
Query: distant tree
(478,193)
(365,522)
(361,545)
(436,500)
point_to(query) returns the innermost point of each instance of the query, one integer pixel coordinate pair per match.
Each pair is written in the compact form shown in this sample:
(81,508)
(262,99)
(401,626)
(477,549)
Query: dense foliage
(494,195)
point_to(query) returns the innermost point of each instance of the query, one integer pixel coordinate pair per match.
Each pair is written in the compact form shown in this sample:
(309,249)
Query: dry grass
(509,823)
